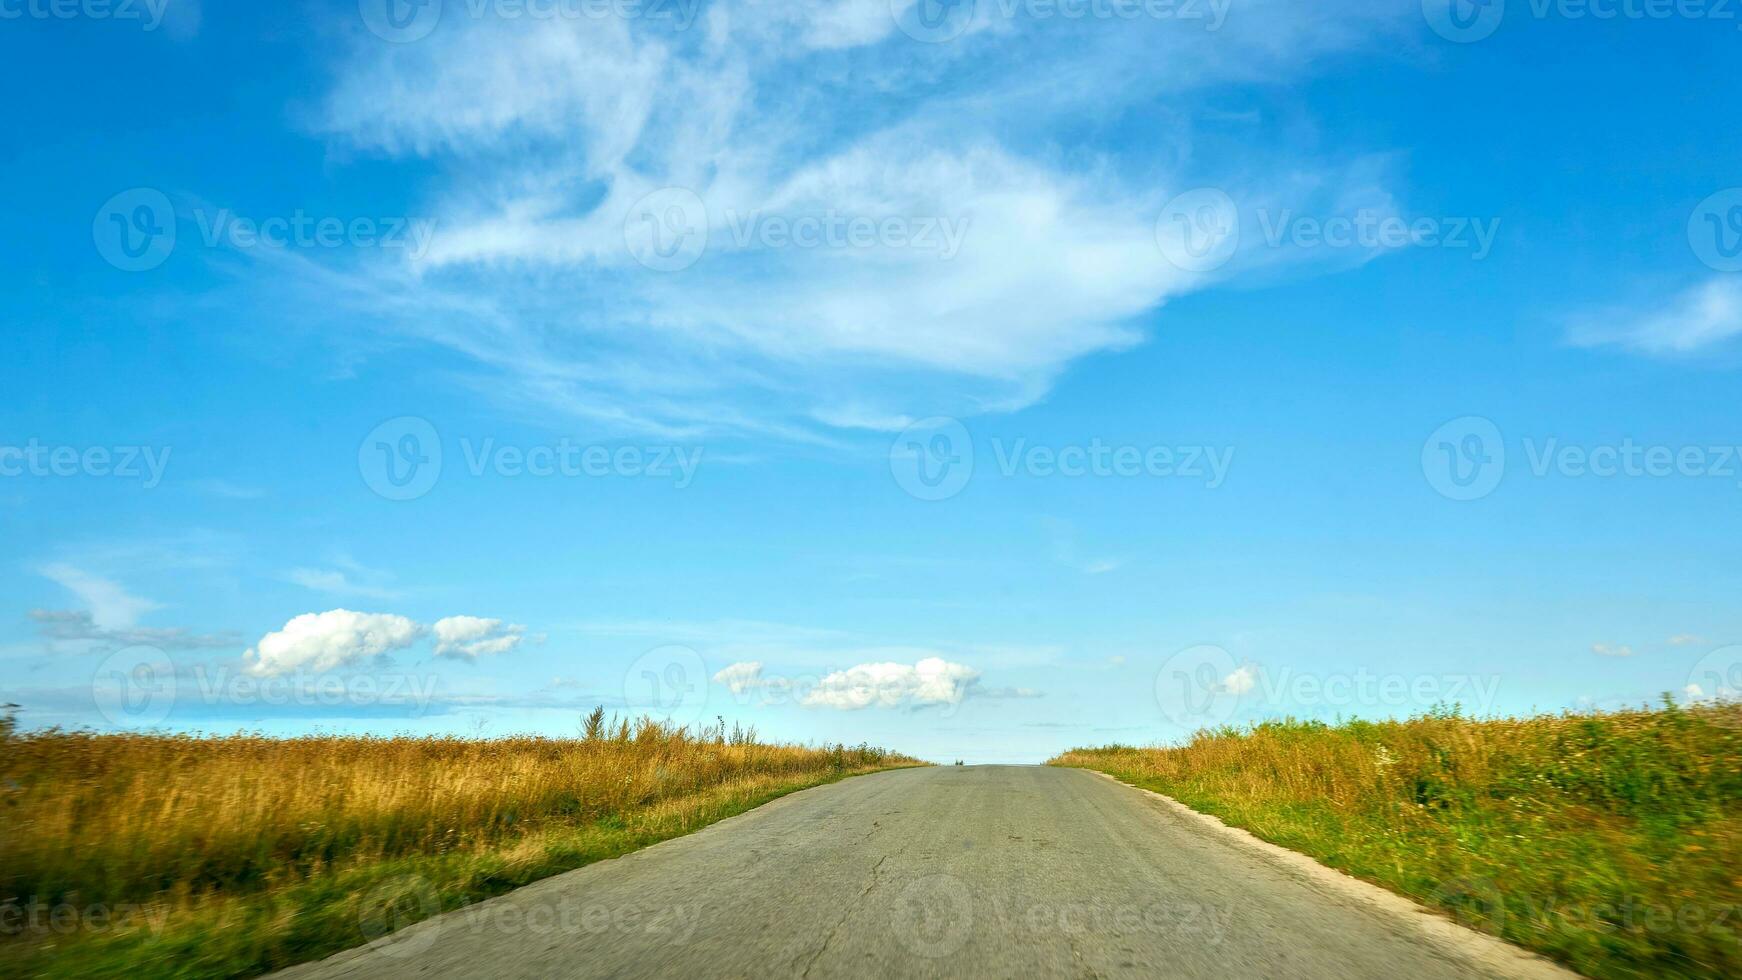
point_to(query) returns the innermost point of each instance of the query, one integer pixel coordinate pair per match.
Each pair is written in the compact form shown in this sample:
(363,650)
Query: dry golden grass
(245,828)
(1610,841)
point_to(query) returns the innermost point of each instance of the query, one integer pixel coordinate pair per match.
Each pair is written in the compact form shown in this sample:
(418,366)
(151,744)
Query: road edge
(353,956)
(1489,953)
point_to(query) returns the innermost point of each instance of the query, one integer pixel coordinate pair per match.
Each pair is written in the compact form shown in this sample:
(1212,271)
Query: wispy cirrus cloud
(555,133)
(1702,319)
(111,606)
(80,629)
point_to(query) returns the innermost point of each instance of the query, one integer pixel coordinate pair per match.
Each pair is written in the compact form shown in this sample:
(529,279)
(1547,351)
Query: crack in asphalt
(836,928)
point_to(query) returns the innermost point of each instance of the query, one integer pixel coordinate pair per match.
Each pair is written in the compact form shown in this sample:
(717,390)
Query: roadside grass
(1611,842)
(186,856)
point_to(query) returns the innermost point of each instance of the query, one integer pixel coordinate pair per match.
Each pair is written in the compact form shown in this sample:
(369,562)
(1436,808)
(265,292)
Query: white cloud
(1693,321)
(1240,681)
(1605,650)
(78,630)
(329,640)
(338,582)
(552,132)
(112,606)
(740,677)
(930,681)
(470,637)
(1693,691)
(1685,639)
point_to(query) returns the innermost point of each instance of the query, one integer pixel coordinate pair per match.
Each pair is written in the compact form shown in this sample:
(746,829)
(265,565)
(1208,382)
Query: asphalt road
(980,871)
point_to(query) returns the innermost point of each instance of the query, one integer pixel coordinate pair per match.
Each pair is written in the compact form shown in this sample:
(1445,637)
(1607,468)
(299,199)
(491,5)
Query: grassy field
(154,855)
(1610,842)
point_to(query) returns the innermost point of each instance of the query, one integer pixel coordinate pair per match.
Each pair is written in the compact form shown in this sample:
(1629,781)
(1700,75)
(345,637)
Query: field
(1611,842)
(156,855)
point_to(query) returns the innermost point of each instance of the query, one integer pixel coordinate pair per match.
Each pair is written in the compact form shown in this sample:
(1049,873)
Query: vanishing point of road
(974,871)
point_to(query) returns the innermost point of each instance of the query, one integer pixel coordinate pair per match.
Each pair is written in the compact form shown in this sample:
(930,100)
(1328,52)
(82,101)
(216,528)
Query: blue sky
(973,379)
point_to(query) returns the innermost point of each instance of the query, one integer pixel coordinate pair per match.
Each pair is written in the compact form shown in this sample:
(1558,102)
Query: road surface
(976,871)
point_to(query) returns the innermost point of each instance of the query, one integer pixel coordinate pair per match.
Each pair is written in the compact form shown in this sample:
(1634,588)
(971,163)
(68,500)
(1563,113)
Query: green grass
(1610,842)
(311,920)
(146,856)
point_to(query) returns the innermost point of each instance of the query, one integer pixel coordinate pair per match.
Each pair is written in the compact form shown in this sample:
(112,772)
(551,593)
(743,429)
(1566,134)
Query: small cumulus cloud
(740,677)
(930,681)
(1240,681)
(1606,650)
(470,637)
(329,640)
(887,684)
(339,638)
